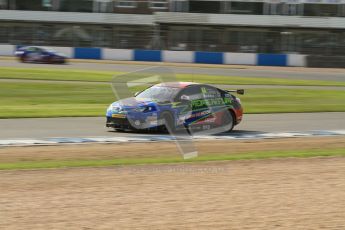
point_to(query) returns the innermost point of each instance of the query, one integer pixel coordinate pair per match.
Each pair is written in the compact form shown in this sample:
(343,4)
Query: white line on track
(157,138)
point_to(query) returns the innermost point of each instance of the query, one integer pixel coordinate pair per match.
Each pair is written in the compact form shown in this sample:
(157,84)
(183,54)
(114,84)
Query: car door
(34,54)
(44,54)
(215,104)
(203,104)
(186,103)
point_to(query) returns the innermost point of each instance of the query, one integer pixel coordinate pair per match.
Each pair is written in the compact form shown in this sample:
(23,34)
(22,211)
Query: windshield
(160,94)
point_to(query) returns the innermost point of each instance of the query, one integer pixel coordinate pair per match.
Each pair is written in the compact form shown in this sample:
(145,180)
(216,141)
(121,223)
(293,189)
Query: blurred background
(315,27)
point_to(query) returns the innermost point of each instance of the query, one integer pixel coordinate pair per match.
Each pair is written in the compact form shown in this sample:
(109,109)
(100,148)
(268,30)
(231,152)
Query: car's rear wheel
(48,60)
(23,59)
(229,119)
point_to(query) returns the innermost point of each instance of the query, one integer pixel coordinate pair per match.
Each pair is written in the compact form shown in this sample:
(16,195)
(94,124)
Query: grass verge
(64,99)
(293,100)
(170,160)
(106,76)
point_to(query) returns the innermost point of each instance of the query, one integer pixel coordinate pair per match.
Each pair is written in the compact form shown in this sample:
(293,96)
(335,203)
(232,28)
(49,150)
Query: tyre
(229,118)
(168,122)
(48,60)
(23,59)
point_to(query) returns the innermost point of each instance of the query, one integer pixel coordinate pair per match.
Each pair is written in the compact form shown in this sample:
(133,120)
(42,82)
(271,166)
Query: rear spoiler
(238,91)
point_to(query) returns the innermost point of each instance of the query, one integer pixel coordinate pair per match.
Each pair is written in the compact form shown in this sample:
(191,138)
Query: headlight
(18,53)
(115,109)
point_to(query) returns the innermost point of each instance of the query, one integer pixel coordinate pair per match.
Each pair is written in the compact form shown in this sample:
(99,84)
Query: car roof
(28,47)
(38,47)
(180,85)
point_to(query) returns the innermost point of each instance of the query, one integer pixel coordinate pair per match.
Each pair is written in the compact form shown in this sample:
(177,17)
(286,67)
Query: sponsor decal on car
(210,102)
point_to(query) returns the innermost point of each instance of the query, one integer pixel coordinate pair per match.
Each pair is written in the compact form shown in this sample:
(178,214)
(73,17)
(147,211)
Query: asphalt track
(225,70)
(94,126)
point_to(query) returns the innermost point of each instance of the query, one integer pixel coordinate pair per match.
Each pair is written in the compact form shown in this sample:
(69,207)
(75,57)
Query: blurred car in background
(35,54)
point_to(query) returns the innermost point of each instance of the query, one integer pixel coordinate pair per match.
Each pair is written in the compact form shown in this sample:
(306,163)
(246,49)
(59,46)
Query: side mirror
(240,91)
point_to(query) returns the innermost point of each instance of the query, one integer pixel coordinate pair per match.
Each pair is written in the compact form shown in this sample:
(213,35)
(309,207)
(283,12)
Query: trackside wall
(175,56)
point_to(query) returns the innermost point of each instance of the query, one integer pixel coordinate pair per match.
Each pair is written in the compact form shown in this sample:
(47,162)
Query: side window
(34,49)
(192,92)
(227,97)
(210,92)
(38,50)
(215,97)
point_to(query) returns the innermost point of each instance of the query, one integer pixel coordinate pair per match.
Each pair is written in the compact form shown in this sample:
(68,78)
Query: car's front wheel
(168,122)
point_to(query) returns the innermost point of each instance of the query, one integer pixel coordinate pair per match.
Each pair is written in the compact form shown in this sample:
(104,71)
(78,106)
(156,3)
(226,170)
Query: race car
(176,105)
(35,54)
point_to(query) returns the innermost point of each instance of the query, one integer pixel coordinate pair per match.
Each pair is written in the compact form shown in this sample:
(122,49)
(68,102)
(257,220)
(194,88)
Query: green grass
(293,100)
(53,99)
(234,80)
(84,98)
(41,99)
(106,76)
(170,160)
(55,74)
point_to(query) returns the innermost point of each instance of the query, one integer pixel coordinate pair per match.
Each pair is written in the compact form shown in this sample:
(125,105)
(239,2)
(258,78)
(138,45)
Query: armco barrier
(88,53)
(182,56)
(240,58)
(68,51)
(296,60)
(178,56)
(272,59)
(208,57)
(147,55)
(118,54)
(6,50)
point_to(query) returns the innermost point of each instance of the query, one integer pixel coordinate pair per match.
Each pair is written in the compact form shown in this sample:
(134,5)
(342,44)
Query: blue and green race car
(176,105)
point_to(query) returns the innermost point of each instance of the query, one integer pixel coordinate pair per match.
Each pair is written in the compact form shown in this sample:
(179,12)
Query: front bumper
(118,123)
